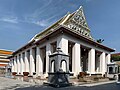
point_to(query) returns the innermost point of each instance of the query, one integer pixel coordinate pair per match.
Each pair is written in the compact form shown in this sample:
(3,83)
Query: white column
(39,64)
(108,57)
(63,44)
(91,61)
(48,52)
(102,63)
(26,63)
(15,64)
(76,59)
(18,65)
(32,63)
(22,64)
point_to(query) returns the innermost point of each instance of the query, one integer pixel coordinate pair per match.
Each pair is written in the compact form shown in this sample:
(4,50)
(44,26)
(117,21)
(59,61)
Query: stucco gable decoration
(79,17)
(75,21)
(78,23)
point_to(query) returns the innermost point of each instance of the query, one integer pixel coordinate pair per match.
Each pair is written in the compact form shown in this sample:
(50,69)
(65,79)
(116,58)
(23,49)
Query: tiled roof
(5,52)
(116,54)
(2,65)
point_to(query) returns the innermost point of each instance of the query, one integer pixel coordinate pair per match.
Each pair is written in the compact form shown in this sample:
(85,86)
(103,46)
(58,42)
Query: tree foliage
(100,40)
(115,58)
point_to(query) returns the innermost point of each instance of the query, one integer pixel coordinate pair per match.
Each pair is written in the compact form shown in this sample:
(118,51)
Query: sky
(20,20)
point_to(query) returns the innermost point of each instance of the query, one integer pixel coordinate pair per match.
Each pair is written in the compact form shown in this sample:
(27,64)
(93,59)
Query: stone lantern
(58,75)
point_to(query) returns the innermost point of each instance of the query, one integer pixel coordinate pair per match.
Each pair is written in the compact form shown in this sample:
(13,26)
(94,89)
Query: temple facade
(70,33)
(4,61)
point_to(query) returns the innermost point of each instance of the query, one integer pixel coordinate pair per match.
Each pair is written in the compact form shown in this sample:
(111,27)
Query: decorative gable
(78,23)
(75,21)
(80,18)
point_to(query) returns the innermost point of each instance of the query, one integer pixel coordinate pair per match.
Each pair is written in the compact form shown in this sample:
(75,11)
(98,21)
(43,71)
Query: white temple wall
(69,38)
(62,42)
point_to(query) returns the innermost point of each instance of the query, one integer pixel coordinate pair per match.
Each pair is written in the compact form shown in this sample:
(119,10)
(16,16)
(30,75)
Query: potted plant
(25,73)
(14,73)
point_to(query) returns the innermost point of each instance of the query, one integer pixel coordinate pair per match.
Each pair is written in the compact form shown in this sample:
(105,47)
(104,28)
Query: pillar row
(22,64)
(91,61)
(26,62)
(32,63)
(63,44)
(48,52)
(39,64)
(108,57)
(102,63)
(76,59)
(15,64)
(18,64)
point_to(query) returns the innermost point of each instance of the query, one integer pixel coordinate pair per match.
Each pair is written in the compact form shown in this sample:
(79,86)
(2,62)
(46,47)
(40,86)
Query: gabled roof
(63,29)
(75,21)
(79,18)
(60,30)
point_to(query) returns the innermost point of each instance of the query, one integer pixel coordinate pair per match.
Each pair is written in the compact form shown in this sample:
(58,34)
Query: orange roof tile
(5,52)
(3,64)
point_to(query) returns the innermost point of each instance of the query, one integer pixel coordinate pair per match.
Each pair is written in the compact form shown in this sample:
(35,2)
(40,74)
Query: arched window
(63,65)
(52,65)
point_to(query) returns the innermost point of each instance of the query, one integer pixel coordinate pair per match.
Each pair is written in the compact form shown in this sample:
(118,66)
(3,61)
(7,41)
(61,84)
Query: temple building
(4,61)
(70,33)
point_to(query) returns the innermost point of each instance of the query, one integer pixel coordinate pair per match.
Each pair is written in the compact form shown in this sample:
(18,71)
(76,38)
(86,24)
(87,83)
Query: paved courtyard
(12,84)
(18,84)
(111,86)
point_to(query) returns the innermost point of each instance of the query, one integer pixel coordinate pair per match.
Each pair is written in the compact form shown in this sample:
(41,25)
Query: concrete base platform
(57,85)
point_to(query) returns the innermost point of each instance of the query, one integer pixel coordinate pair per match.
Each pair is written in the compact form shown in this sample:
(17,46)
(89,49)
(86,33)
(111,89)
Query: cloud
(15,20)
(42,23)
(9,19)
(41,9)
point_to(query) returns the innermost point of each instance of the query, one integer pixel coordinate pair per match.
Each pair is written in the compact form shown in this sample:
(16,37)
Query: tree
(100,40)
(115,58)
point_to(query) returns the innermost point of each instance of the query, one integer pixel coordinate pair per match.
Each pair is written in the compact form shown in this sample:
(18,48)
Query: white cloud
(41,9)
(46,22)
(42,23)
(9,19)
(14,20)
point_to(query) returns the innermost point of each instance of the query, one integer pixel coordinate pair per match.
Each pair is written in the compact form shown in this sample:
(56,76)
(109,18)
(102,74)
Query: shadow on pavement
(112,86)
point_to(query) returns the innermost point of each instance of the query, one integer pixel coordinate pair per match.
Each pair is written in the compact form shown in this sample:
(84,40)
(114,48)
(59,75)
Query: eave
(90,41)
(60,30)
(63,29)
(24,47)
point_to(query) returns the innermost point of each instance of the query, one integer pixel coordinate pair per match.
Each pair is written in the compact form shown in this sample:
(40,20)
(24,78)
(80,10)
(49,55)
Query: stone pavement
(12,84)
(111,86)
(95,84)
(20,82)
